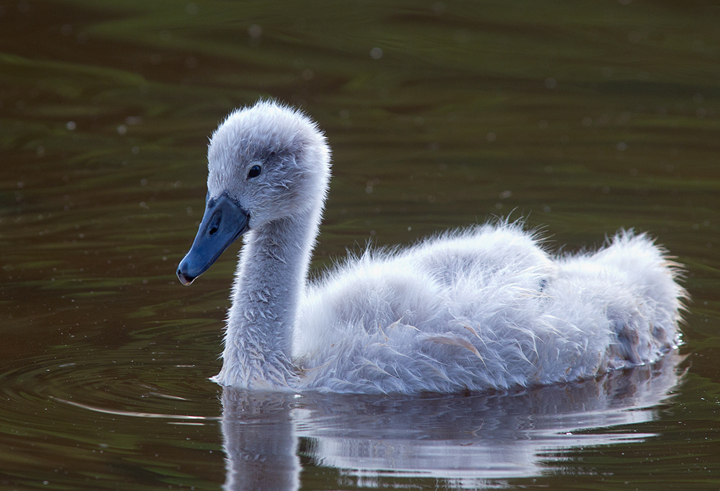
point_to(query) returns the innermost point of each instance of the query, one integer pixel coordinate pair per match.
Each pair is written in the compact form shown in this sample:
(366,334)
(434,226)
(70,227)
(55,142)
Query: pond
(583,118)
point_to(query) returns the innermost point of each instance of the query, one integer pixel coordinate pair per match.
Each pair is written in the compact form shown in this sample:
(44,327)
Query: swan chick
(476,309)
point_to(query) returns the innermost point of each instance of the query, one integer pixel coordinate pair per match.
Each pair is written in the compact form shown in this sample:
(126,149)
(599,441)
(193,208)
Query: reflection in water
(462,440)
(260,441)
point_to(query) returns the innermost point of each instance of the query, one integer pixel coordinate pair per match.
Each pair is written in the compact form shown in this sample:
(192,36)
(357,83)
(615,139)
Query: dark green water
(582,116)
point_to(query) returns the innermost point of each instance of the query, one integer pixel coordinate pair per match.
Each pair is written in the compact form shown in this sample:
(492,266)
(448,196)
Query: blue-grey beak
(223,222)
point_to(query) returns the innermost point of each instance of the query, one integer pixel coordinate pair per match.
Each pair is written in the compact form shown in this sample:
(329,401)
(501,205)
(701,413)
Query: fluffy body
(479,309)
(482,309)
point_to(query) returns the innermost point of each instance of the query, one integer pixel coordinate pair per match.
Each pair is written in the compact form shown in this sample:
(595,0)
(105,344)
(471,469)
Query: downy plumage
(476,309)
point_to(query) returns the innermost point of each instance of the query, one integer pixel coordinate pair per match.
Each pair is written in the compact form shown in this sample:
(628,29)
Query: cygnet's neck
(269,282)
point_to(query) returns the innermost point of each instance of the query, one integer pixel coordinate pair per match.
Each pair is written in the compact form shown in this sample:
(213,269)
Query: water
(584,118)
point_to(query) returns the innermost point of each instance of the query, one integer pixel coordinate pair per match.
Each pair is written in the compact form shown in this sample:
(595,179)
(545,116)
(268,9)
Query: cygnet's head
(271,160)
(265,163)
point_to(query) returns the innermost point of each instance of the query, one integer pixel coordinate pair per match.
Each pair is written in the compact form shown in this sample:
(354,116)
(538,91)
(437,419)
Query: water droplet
(255,31)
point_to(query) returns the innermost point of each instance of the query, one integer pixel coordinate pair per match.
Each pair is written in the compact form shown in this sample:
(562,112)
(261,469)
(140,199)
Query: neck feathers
(269,283)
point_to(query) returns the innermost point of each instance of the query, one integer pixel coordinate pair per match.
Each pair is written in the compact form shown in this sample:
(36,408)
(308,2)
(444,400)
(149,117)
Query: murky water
(582,117)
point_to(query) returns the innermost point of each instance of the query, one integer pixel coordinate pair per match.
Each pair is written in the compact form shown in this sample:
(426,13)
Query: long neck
(269,282)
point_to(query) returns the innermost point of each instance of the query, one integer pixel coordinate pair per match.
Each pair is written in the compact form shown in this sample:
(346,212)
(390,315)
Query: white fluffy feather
(477,309)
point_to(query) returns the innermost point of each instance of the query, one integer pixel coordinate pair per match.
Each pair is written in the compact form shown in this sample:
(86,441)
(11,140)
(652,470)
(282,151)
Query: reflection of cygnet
(260,442)
(459,440)
(469,310)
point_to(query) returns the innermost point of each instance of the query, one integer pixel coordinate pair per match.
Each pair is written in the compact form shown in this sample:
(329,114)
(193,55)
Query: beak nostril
(215,223)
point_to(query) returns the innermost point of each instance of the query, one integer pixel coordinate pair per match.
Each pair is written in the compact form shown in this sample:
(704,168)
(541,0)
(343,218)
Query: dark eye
(254,171)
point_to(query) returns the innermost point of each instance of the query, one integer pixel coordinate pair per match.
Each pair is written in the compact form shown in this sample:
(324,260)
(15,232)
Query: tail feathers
(646,265)
(652,278)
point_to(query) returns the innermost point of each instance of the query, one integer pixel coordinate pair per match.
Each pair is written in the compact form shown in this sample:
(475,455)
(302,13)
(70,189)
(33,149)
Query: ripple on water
(75,417)
(87,389)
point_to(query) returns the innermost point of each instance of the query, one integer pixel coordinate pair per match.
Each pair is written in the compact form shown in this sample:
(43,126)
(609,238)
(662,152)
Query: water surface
(583,118)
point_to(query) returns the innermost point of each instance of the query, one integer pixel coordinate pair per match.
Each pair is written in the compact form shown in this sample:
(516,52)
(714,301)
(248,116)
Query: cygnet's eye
(254,171)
